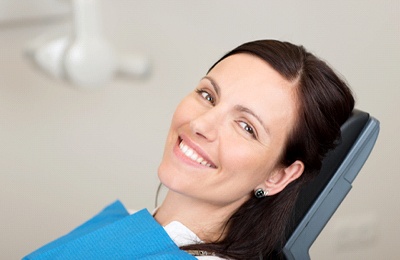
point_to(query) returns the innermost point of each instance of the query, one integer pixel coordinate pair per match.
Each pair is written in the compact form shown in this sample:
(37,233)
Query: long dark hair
(257,229)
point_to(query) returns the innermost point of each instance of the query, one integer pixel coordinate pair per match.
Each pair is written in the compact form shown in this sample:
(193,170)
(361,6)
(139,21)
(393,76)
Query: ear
(283,176)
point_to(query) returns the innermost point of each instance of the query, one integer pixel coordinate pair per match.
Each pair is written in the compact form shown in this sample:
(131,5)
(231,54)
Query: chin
(166,175)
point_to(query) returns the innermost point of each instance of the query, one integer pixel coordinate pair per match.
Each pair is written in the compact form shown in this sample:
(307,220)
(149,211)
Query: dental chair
(320,198)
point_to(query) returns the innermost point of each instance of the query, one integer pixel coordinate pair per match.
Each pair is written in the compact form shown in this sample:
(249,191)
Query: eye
(248,128)
(207,96)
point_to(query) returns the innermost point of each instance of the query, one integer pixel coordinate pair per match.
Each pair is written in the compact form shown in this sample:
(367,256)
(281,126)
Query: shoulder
(210,258)
(183,236)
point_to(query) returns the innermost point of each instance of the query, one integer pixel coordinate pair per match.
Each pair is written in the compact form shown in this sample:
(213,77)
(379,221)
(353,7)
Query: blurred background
(66,151)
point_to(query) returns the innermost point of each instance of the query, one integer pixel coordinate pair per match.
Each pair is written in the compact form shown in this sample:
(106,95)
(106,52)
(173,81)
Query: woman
(240,146)
(244,141)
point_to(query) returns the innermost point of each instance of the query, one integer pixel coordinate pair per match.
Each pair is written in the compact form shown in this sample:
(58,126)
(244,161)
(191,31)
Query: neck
(206,220)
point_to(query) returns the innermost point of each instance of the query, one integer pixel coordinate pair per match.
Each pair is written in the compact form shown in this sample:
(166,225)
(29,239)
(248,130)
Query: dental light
(83,58)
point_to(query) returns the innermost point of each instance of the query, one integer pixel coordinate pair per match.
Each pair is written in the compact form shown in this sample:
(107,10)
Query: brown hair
(257,229)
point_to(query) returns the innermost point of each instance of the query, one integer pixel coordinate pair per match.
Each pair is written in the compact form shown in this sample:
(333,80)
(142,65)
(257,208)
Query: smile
(191,154)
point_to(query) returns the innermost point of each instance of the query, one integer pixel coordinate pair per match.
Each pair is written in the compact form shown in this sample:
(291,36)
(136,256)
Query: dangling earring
(260,193)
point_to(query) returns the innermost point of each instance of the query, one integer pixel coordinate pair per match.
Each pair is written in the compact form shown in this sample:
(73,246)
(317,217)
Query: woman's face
(227,135)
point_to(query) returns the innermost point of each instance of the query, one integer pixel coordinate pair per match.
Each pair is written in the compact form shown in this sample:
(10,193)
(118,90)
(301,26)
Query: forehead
(244,67)
(249,81)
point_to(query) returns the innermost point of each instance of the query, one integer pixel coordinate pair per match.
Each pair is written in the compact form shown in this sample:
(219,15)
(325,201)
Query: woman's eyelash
(207,96)
(248,128)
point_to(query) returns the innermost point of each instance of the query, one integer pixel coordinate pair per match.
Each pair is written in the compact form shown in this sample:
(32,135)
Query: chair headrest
(350,131)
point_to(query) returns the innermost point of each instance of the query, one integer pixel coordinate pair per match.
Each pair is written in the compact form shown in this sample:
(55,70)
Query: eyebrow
(214,84)
(249,111)
(239,108)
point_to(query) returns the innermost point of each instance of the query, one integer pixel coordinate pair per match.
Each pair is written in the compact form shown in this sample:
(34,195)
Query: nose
(206,125)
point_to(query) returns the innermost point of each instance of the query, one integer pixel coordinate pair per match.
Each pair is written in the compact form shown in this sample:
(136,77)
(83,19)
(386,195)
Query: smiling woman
(244,141)
(240,146)
(226,124)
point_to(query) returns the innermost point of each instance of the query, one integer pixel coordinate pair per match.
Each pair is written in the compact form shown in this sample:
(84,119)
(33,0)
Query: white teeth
(190,153)
(184,148)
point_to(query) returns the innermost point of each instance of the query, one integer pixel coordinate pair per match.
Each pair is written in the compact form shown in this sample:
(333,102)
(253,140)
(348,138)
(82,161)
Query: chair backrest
(320,198)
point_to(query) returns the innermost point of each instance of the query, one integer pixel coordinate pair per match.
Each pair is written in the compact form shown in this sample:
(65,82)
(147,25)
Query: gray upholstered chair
(321,197)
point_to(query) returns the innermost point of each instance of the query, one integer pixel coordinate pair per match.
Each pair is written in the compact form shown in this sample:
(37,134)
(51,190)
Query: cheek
(183,113)
(179,118)
(248,161)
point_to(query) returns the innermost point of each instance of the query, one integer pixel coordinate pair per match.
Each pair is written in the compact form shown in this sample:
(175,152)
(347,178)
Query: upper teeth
(190,153)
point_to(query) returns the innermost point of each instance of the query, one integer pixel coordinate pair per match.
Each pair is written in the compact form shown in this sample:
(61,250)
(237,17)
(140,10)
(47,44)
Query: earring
(260,193)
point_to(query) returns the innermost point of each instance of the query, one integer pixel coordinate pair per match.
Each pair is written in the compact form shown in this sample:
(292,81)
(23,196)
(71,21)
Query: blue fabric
(114,234)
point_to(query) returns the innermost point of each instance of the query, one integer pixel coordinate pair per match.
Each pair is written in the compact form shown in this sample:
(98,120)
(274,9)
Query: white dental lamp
(84,58)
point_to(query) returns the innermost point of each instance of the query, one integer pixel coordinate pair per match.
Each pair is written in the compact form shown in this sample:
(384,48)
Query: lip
(197,149)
